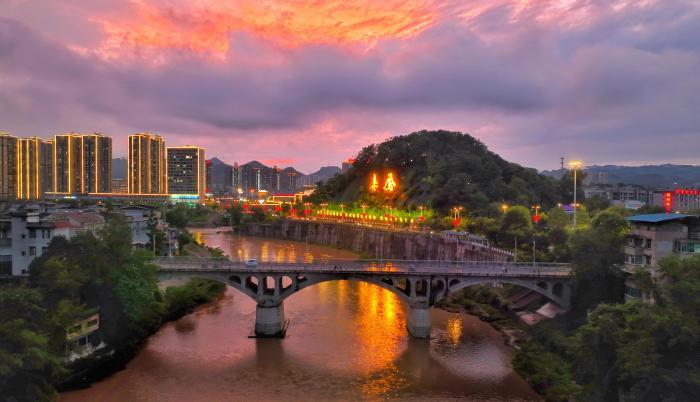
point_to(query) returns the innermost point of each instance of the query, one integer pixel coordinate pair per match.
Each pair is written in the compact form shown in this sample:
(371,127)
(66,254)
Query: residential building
(593,178)
(677,200)
(236,184)
(140,217)
(82,164)
(654,237)
(186,170)
(34,168)
(25,233)
(292,180)
(83,337)
(8,166)
(146,164)
(120,186)
(620,194)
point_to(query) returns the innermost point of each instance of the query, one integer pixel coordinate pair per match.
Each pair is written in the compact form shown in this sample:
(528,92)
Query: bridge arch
(555,291)
(400,293)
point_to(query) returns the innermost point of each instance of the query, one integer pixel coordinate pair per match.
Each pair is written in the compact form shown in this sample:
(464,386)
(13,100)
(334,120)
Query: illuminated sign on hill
(390,184)
(374,184)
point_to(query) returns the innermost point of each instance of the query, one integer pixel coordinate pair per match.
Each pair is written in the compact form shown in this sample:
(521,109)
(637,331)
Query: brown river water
(346,341)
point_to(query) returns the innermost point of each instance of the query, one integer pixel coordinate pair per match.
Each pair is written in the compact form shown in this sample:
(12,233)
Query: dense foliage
(72,279)
(441,169)
(646,352)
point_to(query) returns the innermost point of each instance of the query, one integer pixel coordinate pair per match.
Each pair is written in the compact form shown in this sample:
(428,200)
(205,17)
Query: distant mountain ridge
(655,176)
(324,173)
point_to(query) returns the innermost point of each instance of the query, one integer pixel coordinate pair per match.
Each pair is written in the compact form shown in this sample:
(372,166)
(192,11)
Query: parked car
(252,263)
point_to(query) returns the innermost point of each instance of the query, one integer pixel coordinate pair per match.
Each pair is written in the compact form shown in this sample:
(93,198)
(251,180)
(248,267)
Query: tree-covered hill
(441,169)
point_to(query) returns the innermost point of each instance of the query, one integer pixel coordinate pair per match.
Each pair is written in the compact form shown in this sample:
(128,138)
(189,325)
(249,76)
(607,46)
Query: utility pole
(575,165)
(533,253)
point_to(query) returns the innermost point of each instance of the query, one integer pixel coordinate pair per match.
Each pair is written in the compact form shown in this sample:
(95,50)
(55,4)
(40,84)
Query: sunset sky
(309,82)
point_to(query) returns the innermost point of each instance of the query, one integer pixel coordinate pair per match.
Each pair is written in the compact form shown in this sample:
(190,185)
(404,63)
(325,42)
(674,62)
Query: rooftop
(658,218)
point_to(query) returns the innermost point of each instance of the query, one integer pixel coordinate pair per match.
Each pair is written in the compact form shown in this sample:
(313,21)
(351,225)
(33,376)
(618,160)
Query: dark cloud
(605,90)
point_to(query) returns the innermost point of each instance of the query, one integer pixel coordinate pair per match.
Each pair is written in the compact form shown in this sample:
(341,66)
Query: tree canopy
(442,169)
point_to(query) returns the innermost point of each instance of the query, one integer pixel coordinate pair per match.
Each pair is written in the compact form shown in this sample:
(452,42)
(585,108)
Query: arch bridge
(420,284)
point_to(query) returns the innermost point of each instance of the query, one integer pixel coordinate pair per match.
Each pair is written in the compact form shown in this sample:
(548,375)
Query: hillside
(442,169)
(659,176)
(655,176)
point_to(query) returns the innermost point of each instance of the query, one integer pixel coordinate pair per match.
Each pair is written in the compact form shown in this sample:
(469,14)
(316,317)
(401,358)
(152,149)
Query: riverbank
(377,242)
(178,301)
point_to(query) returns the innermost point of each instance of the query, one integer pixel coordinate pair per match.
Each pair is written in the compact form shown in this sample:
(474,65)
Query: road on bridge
(404,267)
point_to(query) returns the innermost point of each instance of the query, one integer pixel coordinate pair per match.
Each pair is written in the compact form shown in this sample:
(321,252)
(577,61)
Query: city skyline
(308,91)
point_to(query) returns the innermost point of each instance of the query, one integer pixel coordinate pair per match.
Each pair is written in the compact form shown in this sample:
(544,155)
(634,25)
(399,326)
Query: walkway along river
(346,341)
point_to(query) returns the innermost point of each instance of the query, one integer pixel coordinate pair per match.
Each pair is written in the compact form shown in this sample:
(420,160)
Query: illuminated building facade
(146,165)
(34,172)
(236,182)
(292,177)
(678,200)
(8,166)
(186,170)
(82,164)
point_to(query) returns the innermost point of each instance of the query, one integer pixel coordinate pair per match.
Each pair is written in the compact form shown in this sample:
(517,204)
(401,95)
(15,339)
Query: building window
(32,234)
(32,251)
(5,265)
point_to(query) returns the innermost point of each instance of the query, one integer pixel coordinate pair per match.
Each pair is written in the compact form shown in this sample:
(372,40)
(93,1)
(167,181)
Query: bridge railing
(422,267)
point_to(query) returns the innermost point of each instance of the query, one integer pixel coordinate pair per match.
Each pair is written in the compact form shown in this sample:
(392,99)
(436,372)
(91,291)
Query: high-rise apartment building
(82,164)
(46,153)
(8,166)
(34,168)
(146,165)
(186,170)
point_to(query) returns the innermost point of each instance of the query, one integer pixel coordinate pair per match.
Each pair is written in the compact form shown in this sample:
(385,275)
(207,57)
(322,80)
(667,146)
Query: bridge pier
(269,321)
(418,322)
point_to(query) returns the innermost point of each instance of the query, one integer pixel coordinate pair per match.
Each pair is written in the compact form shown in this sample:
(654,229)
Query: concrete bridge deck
(420,284)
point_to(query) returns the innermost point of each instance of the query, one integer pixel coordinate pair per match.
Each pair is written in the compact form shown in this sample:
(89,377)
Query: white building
(26,233)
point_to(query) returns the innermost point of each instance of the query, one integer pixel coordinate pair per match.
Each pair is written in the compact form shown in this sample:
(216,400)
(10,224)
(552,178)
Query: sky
(308,83)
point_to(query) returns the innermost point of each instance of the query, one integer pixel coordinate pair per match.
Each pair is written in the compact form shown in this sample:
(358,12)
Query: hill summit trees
(441,169)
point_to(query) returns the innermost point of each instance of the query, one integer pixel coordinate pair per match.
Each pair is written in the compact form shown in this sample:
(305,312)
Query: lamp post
(504,208)
(575,165)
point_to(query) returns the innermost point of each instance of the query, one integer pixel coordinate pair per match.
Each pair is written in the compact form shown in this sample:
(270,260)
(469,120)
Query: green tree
(516,222)
(597,253)
(27,365)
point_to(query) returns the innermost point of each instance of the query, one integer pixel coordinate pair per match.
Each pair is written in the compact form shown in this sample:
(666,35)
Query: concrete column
(269,321)
(418,322)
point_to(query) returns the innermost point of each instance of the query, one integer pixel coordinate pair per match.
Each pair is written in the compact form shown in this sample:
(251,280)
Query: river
(346,341)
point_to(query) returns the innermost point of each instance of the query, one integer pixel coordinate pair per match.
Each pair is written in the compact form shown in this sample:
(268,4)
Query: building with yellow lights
(25,167)
(8,166)
(82,164)
(34,168)
(146,164)
(186,170)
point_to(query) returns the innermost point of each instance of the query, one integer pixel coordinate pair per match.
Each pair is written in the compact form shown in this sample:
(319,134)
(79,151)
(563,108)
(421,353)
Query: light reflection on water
(347,341)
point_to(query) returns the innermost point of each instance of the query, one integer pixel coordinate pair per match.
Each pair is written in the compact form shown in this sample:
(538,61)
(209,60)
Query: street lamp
(504,208)
(575,165)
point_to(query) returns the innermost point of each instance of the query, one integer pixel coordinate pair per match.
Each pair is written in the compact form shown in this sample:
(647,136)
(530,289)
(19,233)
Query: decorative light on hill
(389,184)
(374,184)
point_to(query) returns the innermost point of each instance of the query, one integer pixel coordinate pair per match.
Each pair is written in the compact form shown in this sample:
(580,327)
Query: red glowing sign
(668,201)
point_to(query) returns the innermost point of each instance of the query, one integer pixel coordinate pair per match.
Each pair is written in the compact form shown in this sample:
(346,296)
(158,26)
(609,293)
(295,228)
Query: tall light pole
(575,165)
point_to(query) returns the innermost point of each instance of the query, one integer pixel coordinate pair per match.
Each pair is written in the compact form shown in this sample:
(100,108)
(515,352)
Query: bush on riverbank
(546,372)
(182,299)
